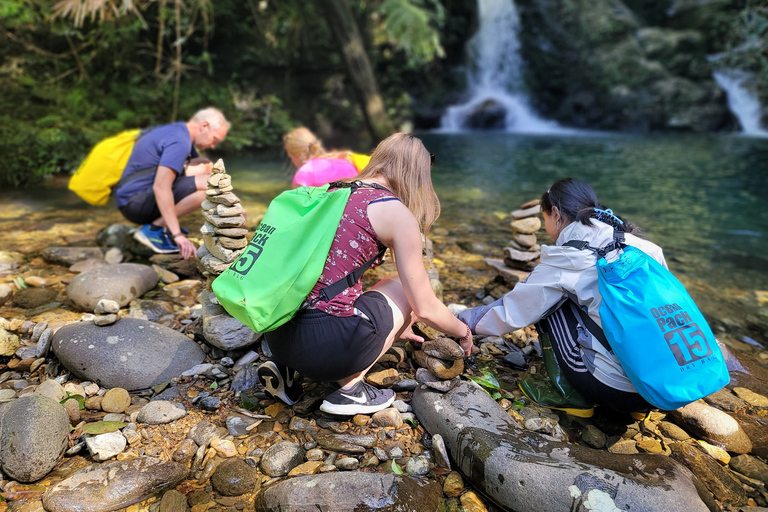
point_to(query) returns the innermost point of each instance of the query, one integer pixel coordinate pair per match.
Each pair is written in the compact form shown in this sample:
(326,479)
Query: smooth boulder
(114,485)
(131,354)
(34,431)
(521,470)
(352,491)
(121,283)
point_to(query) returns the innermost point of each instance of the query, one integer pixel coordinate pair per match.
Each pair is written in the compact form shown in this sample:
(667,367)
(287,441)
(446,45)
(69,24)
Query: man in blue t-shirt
(166,179)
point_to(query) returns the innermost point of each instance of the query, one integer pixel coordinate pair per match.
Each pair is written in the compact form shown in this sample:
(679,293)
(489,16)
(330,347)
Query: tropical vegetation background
(74,71)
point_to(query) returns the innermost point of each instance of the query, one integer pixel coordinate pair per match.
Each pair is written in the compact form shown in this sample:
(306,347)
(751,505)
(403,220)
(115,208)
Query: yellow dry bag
(102,168)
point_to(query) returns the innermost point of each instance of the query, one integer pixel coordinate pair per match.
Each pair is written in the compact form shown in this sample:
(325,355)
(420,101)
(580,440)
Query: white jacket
(564,272)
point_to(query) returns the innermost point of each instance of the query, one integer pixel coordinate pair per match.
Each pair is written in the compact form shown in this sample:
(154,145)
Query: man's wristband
(176,235)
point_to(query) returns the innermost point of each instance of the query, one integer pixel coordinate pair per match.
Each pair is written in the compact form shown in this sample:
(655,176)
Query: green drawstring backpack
(281,264)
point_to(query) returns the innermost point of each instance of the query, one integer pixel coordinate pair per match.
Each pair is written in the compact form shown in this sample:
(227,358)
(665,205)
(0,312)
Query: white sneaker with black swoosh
(280,382)
(362,398)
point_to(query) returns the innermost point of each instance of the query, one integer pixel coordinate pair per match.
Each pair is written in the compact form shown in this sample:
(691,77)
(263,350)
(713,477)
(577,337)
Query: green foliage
(748,44)
(412,28)
(103,427)
(396,468)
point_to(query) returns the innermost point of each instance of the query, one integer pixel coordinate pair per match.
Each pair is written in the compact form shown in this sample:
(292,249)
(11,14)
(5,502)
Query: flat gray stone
(34,437)
(522,470)
(158,412)
(352,491)
(70,255)
(131,354)
(281,457)
(222,330)
(114,485)
(121,283)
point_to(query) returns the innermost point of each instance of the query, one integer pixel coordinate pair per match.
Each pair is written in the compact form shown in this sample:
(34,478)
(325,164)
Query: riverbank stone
(234,477)
(712,425)
(113,485)
(121,283)
(131,354)
(352,491)
(70,255)
(33,436)
(522,470)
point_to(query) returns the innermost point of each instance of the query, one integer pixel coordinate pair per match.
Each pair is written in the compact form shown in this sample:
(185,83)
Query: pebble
(224,447)
(116,400)
(389,417)
(106,306)
(453,485)
(347,463)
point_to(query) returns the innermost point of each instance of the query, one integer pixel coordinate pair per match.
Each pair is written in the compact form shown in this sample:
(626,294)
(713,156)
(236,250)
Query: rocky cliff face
(632,65)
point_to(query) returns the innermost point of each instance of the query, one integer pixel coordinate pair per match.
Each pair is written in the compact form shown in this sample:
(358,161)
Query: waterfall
(741,101)
(496,98)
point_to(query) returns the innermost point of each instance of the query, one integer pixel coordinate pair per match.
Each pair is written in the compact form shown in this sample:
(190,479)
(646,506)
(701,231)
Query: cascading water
(495,93)
(744,105)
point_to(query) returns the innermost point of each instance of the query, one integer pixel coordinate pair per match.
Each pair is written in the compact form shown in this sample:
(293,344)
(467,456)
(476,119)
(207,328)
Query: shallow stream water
(702,198)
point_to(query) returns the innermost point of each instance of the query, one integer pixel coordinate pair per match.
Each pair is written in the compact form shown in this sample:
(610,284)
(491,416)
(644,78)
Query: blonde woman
(316,166)
(339,340)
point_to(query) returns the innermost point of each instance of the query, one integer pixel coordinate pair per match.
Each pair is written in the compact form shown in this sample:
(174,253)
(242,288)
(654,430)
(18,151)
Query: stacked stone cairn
(224,232)
(224,239)
(441,363)
(522,254)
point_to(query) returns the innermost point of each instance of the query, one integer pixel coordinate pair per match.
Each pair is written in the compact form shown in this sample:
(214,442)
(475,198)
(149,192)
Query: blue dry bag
(655,329)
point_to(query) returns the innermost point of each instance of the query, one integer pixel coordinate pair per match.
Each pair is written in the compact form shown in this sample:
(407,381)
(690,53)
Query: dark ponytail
(578,202)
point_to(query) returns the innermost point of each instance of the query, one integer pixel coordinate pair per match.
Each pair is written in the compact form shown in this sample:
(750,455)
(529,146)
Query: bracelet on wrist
(468,334)
(176,235)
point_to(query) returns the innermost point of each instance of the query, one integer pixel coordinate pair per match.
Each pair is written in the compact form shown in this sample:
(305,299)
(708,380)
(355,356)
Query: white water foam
(744,105)
(494,76)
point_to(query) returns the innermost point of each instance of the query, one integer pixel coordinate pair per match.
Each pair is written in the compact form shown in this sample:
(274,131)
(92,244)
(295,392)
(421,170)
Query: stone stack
(224,239)
(522,254)
(224,233)
(441,361)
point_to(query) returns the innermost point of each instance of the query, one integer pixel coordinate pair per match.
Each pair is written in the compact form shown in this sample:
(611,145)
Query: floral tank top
(354,244)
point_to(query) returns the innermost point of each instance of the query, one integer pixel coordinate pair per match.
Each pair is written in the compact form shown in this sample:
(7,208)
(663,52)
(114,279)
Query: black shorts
(142,207)
(327,348)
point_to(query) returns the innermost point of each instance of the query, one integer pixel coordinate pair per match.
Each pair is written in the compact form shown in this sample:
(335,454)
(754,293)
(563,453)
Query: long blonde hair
(305,145)
(405,162)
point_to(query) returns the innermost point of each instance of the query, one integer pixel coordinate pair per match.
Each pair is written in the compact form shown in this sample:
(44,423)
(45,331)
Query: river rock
(222,330)
(524,213)
(90,263)
(70,255)
(9,343)
(121,283)
(131,354)
(51,389)
(234,477)
(752,398)
(445,370)
(6,292)
(281,457)
(158,412)
(174,501)
(751,467)
(115,400)
(713,426)
(121,236)
(524,240)
(521,470)
(443,348)
(725,400)
(114,485)
(105,446)
(150,310)
(352,491)
(33,436)
(31,298)
(203,432)
(527,226)
(723,486)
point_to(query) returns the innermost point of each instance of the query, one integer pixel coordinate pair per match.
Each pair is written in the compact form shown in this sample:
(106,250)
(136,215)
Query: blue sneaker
(156,238)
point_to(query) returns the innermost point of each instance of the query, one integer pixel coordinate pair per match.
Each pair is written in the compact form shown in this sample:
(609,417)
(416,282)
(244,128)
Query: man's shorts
(327,348)
(142,207)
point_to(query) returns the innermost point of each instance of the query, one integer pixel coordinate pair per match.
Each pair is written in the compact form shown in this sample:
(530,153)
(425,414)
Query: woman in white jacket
(562,297)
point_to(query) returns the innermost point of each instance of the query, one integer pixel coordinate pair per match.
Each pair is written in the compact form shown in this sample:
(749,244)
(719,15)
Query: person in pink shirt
(316,166)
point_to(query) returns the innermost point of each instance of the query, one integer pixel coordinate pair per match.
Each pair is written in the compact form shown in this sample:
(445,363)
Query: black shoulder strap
(590,324)
(618,243)
(356,184)
(329,292)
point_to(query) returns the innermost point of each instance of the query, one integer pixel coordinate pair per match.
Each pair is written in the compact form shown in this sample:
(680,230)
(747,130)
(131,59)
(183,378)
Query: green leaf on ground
(80,400)
(214,385)
(518,404)
(396,468)
(103,427)
(159,388)
(487,381)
